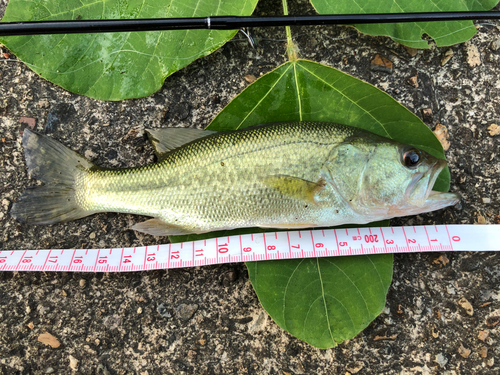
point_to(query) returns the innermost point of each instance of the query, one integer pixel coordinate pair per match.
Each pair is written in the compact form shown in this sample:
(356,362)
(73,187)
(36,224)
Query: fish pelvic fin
(168,139)
(295,187)
(158,227)
(59,168)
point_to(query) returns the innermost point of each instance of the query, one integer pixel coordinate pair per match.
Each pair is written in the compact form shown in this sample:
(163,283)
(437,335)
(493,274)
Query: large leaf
(114,66)
(324,301)
(410,34)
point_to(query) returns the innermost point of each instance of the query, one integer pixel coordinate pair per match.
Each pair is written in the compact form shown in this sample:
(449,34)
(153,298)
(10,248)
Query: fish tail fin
(59,168)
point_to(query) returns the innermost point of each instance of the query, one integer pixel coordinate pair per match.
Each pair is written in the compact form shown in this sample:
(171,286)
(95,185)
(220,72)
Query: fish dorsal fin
(295,187)
(168,139)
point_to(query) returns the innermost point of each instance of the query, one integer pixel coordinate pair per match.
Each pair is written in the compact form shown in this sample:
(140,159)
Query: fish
(289,175)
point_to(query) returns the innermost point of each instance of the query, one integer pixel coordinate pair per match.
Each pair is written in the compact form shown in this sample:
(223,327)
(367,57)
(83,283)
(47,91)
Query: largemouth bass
(283,175)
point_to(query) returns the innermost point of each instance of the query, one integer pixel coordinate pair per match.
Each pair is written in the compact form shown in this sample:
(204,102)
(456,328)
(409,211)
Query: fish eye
(411,158)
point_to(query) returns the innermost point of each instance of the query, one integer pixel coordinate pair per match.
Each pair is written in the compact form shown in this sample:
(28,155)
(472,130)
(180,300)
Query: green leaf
(411,34)
(324,301)
(114,66)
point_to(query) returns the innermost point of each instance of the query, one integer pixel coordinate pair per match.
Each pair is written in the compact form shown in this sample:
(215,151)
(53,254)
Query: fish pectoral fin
(168,139)
(158,227)
(295,187)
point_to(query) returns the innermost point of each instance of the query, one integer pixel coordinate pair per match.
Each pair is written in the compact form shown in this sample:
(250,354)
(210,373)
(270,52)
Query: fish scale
(232,167)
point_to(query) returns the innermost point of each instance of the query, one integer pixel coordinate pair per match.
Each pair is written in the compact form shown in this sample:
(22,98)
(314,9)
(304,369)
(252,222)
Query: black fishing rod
(227,22)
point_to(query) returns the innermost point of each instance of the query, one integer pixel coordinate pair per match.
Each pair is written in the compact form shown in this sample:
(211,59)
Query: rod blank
(227,22)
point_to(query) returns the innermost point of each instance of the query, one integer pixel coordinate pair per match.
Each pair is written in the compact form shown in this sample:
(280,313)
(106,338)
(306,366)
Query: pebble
(495,45)
(463,351)
(411,51)
(73,363)
(483,352)
(49,340)
(381,64)
(483,335)
(186,311)
(486,200)
(473,56)
(466,306)
(82,283)
(446,57)
(427,115)
(250,78)
(441,360)
(494,129)
(162,310)
(441,132)
(49,370)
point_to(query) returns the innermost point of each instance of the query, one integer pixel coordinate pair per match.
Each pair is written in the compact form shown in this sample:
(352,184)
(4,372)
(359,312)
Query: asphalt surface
(443,310)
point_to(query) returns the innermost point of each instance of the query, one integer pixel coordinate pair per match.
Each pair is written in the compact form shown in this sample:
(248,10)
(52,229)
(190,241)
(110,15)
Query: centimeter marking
(261,246)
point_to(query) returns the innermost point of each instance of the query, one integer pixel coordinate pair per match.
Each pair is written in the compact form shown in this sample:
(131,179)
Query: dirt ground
(443,310)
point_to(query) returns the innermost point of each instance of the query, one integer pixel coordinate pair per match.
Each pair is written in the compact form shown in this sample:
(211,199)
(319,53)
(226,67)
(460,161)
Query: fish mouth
(420,187)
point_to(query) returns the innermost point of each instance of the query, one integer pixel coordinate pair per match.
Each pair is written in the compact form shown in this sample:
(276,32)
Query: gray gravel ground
(127,323)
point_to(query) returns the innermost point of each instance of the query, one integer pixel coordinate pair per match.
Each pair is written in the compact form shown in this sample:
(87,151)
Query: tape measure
(257,247)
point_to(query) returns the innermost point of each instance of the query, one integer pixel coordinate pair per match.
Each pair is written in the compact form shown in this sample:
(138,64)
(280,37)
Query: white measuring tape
(261,246)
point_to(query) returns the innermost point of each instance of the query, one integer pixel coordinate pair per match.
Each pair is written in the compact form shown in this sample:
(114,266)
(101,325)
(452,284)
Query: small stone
(463,351)
(483,335)
(483,352)
(441,132)
(358,366)
(494,129)
(202,339)
(162,310)
(250,78)
(5,55)
(49,340)
(31,325)
(381,64)
(413,80)
(495,45)
(259,324)
(49,370)
(229,278)
(29,121)
(434,332)
(192,354)
(446,57)
(490,362)
(44,103)
(411,51)
(139,310)
(73,363)
(427,115)
(466,306)
(441,360)
(486,200)
(481,220)
(473,56)
(186,311)
(82,283)
(441,260)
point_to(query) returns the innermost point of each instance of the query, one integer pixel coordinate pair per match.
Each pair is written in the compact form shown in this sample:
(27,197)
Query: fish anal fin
(168,139)
(292,226)
(295,187)
(158,227)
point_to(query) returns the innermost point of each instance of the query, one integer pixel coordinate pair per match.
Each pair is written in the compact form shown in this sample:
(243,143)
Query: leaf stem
(291,49)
